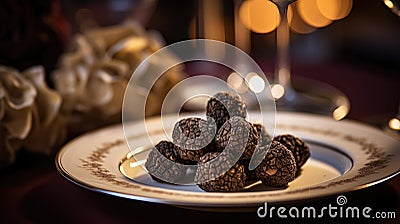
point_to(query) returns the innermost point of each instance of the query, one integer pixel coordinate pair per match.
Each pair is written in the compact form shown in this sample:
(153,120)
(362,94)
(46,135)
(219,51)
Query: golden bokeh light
(277,91)
(304,16)
(310,13)
(389,4)
(259,16)
(394,124)
(295,21)
(334,9)
(255,83)
(235,80)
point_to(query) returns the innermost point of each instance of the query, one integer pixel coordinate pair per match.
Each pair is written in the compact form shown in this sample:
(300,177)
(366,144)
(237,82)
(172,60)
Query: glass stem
(282,71)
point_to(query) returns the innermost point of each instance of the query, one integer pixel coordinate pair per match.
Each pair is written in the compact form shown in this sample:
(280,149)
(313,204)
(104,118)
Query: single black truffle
(193,136)
(163,163)
(223,106)
(278,167)
(239,136)
(213,173)
(299,148)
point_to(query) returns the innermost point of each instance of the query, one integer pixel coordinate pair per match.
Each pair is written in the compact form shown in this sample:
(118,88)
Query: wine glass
(305,95)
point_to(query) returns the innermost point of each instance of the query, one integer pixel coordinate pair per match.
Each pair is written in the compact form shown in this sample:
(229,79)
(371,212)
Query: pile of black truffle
(226,136)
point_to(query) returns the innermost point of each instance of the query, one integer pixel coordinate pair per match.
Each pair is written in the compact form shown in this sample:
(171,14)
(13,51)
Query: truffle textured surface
(239,136)
(278,167)
(251,175)
(214,163)
(224,105)
(163,163)
(299,148)
(227,149)
(262,133)
(193,137)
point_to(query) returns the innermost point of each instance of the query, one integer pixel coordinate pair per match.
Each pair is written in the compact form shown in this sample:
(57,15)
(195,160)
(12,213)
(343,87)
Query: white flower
(29,113)
(93,76)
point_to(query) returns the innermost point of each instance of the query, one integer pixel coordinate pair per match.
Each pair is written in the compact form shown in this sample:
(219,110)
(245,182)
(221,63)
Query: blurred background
(365,32)
(353,45)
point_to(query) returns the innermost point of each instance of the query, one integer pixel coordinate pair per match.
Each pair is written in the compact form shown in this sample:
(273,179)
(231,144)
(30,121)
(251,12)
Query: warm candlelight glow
(255,82)
(235,80)
(259,16)
(310,13)
(277,91)
(389,4)
(334,9)
(394,124)
(304,16)
(296,23)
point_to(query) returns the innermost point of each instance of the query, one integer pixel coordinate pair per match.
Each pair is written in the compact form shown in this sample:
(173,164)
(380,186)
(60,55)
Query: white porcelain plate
(345,156)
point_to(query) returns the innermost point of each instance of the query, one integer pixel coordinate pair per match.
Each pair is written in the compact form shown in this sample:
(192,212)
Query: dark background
(360,54)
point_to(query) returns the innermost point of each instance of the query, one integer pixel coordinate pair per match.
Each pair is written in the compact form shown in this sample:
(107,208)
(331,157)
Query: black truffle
(163,163)
(263,143)
(214,163)
(224,105)
(239,136)
(250,174)
(278,167)
(225,146)
(299,148)
(261,132)
(193,136)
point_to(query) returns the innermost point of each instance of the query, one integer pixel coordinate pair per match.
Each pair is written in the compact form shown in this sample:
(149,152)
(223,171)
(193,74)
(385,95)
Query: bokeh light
(389,4)
(277,91)
(259,16)
(255,82)
(334,9)
(394,124)
(310,13)
(304,16)
(296,23)
(235,80)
